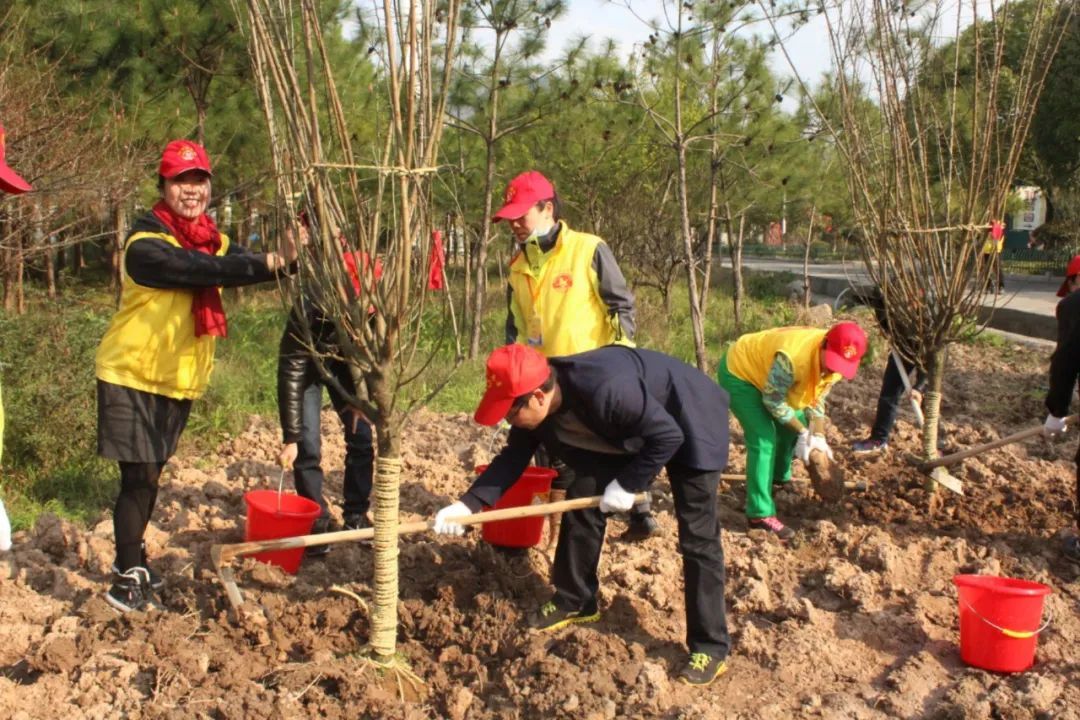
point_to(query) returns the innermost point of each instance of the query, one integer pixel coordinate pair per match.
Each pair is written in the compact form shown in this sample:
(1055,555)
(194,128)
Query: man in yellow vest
(566,295)
(778,380)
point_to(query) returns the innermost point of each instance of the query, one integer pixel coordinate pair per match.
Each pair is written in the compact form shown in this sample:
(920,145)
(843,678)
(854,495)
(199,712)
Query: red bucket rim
(1003,585)
(251,497)
(534,471)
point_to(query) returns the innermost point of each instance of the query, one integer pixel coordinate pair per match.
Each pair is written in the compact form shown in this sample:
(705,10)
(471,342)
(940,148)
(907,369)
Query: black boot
(320,526)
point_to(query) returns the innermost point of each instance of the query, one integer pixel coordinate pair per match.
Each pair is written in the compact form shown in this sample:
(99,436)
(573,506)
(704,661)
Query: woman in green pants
(778,380)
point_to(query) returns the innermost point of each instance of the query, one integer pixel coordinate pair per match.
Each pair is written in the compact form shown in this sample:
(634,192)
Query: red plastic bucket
(531,488)
(271,515)
(1000,621)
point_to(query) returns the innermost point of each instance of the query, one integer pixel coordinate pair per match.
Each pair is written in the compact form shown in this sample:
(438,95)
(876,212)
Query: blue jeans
(359,455)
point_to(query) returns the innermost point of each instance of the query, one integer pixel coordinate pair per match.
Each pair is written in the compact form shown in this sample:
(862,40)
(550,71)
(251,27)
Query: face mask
(538,233)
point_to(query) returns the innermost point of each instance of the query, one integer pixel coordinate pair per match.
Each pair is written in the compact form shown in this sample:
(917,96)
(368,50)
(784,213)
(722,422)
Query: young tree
(360,209)
(932,137)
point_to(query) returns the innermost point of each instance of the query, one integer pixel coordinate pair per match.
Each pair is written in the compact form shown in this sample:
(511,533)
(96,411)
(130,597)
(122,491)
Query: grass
(47,371)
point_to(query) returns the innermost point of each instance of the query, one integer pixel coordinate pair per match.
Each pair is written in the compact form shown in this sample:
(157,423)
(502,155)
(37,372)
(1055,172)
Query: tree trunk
(806,275)
(116,281)
(735,245)
(386,494)
(480,289)
(78,261)
(935,376)
(696,318)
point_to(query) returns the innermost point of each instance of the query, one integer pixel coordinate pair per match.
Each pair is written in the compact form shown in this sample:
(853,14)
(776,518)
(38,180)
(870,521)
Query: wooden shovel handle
(1007,440)
(221,554)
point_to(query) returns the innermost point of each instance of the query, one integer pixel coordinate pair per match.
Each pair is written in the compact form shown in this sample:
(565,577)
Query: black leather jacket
(298,369)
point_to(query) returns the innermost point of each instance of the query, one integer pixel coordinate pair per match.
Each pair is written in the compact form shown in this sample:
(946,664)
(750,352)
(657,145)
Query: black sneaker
(641,527)
(701,669)
(156,581)
(356,521)
(320,526)
(130,590)
(549,617)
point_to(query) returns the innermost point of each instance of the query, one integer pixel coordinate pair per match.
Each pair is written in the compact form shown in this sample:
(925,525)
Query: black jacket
(157,264)
(298,368)
(1065,362)
(650,407)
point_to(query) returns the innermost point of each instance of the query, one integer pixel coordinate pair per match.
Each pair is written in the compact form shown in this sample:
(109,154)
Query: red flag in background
(436,260)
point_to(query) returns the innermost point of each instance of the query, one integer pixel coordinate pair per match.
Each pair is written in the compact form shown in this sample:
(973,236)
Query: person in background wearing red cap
(565,295)
(778,380)
(158,351)
(1064,371)
(615,416)
(13,184)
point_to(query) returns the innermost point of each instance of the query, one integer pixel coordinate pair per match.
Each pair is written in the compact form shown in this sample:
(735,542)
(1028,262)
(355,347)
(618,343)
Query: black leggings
(134,504)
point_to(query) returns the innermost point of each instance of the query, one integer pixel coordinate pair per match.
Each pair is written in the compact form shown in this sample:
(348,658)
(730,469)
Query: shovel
(956,457)
(221,555)
(906,379)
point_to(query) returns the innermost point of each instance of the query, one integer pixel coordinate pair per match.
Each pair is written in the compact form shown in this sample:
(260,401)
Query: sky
(602,19)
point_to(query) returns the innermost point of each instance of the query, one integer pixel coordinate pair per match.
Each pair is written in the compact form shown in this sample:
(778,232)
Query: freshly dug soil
(857,618)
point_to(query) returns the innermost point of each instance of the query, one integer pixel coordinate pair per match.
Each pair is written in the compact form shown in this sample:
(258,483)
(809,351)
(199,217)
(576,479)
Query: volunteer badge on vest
(562,282)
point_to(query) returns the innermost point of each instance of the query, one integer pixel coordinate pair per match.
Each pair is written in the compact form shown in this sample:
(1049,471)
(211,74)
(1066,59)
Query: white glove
(443,523)
(807,443)
(616,499)
(1053,426)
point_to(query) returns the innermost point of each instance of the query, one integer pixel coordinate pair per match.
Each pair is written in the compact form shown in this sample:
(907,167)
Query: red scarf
(201,235)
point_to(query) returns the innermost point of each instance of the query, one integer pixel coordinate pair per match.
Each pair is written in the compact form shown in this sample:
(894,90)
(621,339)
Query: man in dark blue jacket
(1064,371)
(615,416)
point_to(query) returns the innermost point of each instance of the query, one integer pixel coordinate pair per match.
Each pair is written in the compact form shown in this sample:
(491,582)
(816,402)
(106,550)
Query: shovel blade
(942,477)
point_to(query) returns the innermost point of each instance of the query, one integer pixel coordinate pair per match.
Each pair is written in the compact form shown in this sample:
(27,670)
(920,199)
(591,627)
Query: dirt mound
(855,619)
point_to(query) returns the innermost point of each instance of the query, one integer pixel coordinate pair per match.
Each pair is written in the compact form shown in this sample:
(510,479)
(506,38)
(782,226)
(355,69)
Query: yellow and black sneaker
(549,617)
(702,669)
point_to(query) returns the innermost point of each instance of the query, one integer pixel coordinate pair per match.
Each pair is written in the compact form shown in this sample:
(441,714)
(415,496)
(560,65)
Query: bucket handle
(1017,634)
(280,485)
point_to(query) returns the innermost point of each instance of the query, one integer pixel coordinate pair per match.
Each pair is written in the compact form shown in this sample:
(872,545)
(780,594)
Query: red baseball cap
(845,344)
(512,371)
(10,181)
(1072,269)
(180,156)
(522,193)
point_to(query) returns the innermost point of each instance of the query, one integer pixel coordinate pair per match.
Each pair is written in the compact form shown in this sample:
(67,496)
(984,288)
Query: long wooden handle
(1007,440)
(221,554)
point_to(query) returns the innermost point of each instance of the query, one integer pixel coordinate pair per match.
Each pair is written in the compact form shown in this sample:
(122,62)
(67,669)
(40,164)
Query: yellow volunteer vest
(150,345)
(752,355)
(559,306)
(1,426)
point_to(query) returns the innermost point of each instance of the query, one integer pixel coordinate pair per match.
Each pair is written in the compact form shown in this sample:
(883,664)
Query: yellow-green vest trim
(752,355)
(150,345)
(557,305)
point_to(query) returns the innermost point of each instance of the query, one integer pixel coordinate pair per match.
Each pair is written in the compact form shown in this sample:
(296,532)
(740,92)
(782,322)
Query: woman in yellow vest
(566,295)
(158,351)
(778,379)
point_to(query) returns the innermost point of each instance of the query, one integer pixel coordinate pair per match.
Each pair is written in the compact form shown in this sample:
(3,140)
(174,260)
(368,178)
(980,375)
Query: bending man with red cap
(158,351)
(615,416)
(565,295)
(1064,371)
(778,380)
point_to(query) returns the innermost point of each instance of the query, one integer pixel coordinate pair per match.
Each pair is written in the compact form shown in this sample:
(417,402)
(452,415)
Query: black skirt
(137,426)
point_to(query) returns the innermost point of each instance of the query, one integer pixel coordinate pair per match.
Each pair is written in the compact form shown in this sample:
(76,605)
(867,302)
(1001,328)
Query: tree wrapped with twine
(932,134)
(370,215)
